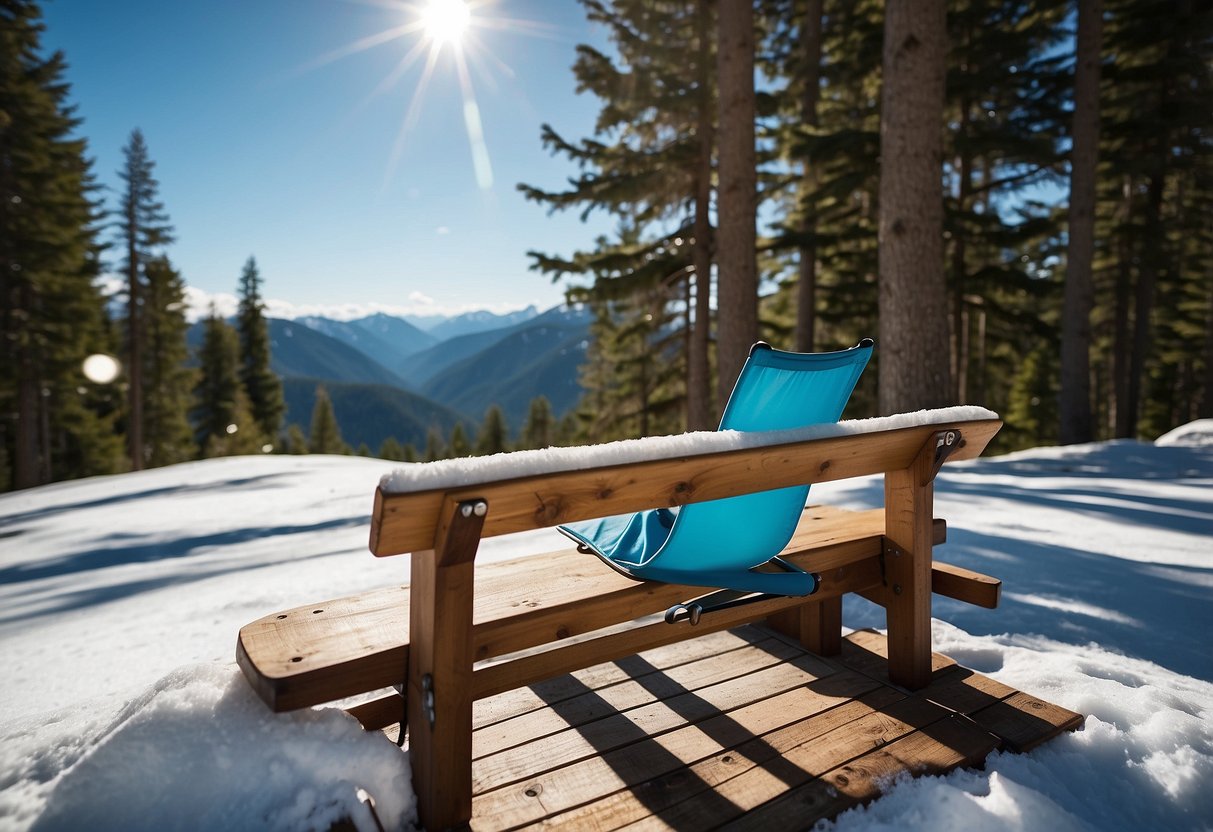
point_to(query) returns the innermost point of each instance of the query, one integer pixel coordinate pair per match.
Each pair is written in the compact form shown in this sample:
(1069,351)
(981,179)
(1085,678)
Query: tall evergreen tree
(263,387)
(53,423)
(435,448)
(737,199)
(168,382)
(913,369)
(1155,212)
(459,441)
(217,395)
(324,435)
(539,429)
(1075,402)
(391,449)
(143,229)
(648,164)
(493,436)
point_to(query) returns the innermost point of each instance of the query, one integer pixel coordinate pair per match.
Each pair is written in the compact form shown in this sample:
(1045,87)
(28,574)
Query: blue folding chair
(720,543)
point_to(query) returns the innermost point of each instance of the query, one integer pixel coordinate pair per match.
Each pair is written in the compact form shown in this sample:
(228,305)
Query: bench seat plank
(328,651)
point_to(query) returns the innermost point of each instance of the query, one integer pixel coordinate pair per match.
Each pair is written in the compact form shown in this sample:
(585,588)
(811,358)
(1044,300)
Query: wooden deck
(739,729)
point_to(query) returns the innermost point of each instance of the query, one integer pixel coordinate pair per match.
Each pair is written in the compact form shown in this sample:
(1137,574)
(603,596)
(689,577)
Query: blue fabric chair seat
(719,543)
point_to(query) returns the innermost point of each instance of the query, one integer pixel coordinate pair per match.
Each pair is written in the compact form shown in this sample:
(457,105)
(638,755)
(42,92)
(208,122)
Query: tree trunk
(1206,402)
(914,350)
(1120,332)
(134,357)
(806,292)
(699,390)
(737,264)
(1074,404)
(1143,307)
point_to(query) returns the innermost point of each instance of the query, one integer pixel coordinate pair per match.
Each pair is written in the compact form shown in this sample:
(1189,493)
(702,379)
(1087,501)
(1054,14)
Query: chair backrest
(776,390)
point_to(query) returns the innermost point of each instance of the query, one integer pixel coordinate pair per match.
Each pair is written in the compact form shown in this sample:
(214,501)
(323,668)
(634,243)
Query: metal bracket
(946,441)
(888,550)
(427,698)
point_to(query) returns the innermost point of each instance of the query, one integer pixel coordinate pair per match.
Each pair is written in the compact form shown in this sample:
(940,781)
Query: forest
(1013,198)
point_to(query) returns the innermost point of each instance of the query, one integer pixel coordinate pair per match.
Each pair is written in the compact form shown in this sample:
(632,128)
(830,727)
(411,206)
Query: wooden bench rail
(343,647)
(408,522)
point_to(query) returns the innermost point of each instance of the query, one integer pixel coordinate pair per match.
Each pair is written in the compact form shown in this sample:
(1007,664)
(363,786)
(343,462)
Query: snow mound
(198,750)
(1198,434)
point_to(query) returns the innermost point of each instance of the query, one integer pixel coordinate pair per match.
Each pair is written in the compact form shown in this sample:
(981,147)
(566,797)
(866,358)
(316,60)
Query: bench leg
(909,497)
(440,673)
(817,626)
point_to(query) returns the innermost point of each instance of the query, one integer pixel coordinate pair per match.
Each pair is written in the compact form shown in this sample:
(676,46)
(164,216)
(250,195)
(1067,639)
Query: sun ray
(414,110)
(441,26)
(481,164)
(362,44)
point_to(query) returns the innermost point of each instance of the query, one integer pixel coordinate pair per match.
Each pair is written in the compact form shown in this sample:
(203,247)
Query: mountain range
(392,376)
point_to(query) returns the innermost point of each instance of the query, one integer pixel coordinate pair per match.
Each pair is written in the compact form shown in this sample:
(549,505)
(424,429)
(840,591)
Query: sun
(431,28)
(445,21)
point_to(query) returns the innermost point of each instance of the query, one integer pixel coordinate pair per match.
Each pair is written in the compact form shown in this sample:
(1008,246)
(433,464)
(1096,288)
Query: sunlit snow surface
(120,599)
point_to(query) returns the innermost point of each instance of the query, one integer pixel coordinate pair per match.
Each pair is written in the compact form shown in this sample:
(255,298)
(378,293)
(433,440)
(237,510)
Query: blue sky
(263,146)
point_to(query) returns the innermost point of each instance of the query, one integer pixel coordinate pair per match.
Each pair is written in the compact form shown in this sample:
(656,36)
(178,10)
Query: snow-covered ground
(120,598)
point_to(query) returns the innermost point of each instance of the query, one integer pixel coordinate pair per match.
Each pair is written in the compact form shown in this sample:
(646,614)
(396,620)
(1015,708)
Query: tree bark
(1120,333)
(806,292)
(699,392)
(736,207)
(914,348)
(1074,404)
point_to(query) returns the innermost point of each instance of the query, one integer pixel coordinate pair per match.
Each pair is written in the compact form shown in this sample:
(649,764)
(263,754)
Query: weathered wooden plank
(667,658)
(800,764)
(1024,722)
(595,777)
(908,500)
(342,647)
(965,585)
(406,522)
(439,695)
(648,720)
(867,651)
(518,672)
(645,688)
(937,748)
(653,796)
(964,691)
(378,714)
(327,651)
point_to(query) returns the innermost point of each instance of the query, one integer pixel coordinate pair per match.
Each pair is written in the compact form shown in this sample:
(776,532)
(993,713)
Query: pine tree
(53,423)
(218,397)
(1155,202)
(649,165)
(913,370)
(324,435)
(143,229)
(391,449)
(435,448)
(538,431)
(737,198)
(493,436)
(1075,402)
(242,436)
(459,446)
(296,441)
(168,382)
(825,131)
(263,387)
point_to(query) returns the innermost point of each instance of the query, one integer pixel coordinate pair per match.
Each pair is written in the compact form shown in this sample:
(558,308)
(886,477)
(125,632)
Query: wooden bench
(461,632)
